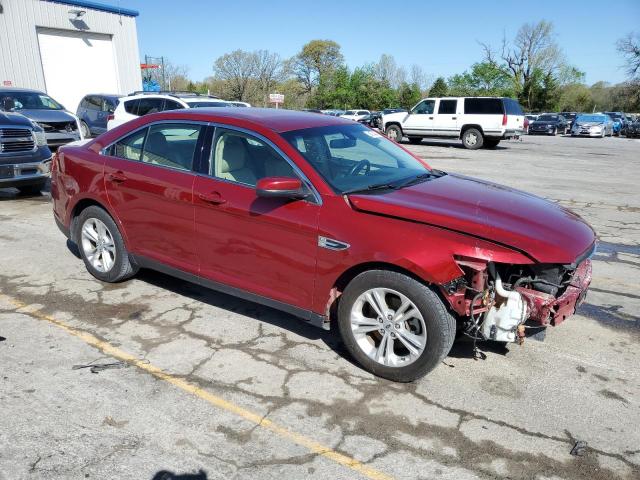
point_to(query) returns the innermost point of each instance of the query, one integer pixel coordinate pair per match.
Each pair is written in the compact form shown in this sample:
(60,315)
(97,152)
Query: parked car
(239,104)
(25,159)
(592,125)
(60,126)
(304,212)
(356,115)
(477,121)
(93,112)
(139,104)
(549,124)
(570,117)
(633,129)
(618,121)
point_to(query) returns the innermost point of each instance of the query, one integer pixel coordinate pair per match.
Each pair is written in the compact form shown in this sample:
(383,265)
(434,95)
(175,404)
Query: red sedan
(328,220)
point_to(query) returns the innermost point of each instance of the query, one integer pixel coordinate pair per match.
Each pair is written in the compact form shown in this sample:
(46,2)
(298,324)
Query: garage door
(75,64)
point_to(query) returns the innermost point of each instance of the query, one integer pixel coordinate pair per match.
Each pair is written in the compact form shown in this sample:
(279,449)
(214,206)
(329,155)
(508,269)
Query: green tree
(408,95)
(439,88)
(485,78)
(317,59)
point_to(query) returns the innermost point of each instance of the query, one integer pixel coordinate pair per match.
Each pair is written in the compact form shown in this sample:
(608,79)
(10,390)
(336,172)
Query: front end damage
(506,303)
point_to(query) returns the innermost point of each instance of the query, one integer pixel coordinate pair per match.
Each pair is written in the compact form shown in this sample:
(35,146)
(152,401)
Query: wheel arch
(83,204)
(393,122)
(467,126)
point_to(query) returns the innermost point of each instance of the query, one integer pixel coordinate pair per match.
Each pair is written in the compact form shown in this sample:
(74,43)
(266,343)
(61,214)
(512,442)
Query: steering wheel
(362,165)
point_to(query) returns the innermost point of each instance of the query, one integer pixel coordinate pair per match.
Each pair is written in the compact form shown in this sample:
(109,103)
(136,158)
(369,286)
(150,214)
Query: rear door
(515,114)
(446,120)
(488,112)
(420,119)
(149,180)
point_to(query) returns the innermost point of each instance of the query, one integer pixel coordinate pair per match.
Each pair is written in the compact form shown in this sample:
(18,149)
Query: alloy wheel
(472,139)
(98,245)
(388,327)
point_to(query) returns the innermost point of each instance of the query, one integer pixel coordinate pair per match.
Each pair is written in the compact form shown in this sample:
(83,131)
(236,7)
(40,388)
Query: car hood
(590,124)
(14,119)
(544,231)
(40,115)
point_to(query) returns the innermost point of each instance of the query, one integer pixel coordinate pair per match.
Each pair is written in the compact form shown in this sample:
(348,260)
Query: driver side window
(242,158)
(425,107)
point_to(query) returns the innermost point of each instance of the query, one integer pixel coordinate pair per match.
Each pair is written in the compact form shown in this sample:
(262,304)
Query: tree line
(531,67)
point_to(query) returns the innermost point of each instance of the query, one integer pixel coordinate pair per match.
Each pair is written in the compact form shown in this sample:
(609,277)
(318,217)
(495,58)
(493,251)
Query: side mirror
(281,187)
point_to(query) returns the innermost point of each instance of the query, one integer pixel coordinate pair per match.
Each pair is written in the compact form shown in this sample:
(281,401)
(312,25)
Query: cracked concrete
(517,414)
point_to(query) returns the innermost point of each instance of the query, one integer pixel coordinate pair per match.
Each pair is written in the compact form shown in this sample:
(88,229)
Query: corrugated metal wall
(20,60)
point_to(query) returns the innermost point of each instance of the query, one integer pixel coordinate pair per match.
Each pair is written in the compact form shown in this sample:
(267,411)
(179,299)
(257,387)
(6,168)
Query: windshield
(591,118)
(16,101)
(350,112)
(548,118)
(352,157)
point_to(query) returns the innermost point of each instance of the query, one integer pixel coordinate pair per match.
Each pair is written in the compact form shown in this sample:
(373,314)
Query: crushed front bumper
(546,309)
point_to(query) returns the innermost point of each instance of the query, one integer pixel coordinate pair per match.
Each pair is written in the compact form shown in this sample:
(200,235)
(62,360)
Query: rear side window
(149,105)
(512,107)
(131,106)
(129,148)
(109,105)
(171,105)
(483,106)
(172,145)
(448,106)
(93,103)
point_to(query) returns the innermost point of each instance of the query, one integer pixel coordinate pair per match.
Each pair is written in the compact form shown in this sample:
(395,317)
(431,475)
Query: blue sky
(441,36)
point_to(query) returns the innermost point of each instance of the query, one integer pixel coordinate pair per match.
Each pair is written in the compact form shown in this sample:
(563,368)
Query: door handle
(117,177)
(453,118)
(430,118)
(214,198)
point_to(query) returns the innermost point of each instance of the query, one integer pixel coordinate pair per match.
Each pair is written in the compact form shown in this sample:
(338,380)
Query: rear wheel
(396,327)
(415,140)
(472,139)
(101,246)
(394,132)
(491,142)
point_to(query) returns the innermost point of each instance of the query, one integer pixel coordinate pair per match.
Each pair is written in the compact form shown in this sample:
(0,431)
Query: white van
(477,121)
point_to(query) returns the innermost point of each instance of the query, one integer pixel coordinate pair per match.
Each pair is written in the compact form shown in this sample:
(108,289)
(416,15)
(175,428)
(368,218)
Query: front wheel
(394,132)
(472,139)
(86,133)
(101,246)
(394,326)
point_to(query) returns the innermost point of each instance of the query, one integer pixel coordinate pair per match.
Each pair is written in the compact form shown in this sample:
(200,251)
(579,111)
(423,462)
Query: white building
(68,48)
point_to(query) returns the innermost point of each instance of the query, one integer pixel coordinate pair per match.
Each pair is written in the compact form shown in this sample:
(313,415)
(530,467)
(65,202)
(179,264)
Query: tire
(394,132)
(472,139)
(34,189)
(86,133)
(491,142)
(120,268)
(436,327)
(415,140)
(555,132)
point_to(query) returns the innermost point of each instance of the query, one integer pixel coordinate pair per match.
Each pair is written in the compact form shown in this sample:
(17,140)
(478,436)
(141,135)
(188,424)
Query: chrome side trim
(332,244)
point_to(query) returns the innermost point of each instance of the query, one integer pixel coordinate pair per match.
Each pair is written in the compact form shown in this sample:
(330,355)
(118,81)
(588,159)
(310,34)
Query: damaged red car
(327,220)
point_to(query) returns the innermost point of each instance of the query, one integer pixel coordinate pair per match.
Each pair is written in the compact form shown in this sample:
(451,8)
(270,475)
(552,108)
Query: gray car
(59,125)
(25,158)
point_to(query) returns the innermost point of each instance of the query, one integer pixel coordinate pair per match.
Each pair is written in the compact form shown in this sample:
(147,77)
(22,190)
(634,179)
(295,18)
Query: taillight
(111,116)
(526,122)
(504,119)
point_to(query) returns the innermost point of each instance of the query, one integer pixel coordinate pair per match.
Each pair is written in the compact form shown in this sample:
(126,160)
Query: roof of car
(278,120)
(17,89)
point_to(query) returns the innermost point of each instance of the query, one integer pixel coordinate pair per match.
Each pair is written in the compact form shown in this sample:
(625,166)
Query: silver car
(60,126)
(592,125)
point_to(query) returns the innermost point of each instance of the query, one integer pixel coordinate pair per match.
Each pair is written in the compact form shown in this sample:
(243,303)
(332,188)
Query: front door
(420,119)
(266,246)
(149,181)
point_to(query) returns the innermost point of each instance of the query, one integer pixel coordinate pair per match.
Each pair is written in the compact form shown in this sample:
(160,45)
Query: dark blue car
(93,112)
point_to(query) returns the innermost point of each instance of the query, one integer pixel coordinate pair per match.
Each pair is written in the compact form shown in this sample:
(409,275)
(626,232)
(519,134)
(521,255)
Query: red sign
(7,83)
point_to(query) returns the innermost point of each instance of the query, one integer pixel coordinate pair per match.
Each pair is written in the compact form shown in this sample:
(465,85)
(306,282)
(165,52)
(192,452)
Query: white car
(477,121)
(143,103)
(356,115)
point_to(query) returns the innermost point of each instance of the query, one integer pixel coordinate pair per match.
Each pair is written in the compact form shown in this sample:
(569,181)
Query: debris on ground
(579,449)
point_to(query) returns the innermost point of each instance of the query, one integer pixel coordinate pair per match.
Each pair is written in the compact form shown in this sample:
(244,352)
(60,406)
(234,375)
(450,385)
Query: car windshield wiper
(371,188)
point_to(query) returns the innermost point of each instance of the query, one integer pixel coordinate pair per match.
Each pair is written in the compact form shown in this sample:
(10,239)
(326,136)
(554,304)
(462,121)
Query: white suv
(477,121)
(356,115)
(141,103)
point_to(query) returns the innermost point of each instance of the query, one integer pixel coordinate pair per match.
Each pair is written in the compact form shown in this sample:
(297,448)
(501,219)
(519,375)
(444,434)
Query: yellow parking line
(209,397)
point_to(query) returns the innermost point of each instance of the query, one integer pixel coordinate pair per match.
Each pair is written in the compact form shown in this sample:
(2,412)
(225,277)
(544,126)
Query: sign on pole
(276,98)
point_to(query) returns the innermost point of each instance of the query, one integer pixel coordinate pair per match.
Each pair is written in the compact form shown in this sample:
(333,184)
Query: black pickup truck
(25,159)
